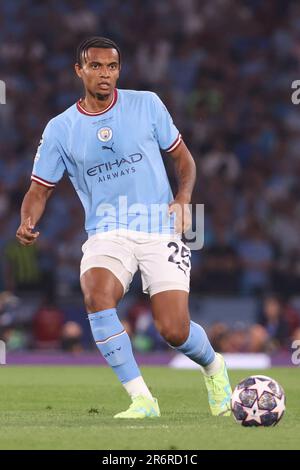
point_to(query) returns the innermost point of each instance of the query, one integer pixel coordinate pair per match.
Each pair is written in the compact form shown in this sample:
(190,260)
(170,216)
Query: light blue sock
(114,344)
(197,347)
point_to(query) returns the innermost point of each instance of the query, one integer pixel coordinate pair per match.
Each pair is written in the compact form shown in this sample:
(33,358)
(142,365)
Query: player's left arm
(186,174)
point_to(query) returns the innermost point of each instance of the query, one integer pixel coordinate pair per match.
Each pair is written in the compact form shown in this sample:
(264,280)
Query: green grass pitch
(72,408)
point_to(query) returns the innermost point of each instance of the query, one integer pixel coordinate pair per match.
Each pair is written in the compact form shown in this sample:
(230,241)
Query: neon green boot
(141,407)
(219,391)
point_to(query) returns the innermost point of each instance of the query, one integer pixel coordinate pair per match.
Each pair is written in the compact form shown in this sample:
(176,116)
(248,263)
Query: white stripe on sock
(111,337)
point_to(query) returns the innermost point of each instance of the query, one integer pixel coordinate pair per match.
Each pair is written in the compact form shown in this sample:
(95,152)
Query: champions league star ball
(258,401)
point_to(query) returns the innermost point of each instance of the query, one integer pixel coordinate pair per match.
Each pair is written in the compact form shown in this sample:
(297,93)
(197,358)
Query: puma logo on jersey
(106,147)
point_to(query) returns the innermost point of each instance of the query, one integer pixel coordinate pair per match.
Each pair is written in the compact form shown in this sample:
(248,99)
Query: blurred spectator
(21,267)
(273,319)
(220,266)
(230,340)
(68,260)
(16,339)
(71,337)
(47,326)
(296,335)
(220,161)
(14,328)
(277,326)
(256,253)
(257,339)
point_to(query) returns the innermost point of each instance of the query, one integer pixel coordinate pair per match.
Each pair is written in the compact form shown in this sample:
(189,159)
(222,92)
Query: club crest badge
(104,134)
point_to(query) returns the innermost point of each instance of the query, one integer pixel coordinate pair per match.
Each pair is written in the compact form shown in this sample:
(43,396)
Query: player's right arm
(48,169)
(32,209)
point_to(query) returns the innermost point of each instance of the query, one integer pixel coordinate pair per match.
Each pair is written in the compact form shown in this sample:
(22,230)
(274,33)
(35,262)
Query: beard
(101,97)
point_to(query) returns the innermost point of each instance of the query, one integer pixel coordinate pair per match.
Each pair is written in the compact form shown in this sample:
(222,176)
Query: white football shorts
(164,260)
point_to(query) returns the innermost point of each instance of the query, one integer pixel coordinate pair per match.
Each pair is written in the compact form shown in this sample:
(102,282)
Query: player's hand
(25,233)
(183,218)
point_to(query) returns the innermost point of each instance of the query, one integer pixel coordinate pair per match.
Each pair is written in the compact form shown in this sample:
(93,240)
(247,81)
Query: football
(258,401)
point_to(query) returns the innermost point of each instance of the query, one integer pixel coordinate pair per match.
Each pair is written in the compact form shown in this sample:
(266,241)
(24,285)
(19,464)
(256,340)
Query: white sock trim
(213,367)
(137,387)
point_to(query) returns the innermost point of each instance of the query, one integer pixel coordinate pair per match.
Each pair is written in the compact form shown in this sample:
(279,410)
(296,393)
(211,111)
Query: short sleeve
(48,167)
(167,134)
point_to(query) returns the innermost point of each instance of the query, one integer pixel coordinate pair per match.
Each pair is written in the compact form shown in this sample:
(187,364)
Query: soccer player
(109,144)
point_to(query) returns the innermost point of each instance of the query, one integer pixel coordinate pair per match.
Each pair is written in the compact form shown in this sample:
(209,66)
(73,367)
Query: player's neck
(93,104)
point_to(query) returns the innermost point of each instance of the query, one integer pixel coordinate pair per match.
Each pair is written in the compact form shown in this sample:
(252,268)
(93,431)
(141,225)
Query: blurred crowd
(224,68)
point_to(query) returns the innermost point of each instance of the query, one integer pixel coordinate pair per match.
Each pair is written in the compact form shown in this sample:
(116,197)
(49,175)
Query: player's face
(99,71)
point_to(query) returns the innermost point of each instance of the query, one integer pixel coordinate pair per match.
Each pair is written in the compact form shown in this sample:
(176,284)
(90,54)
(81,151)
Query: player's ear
(78,69)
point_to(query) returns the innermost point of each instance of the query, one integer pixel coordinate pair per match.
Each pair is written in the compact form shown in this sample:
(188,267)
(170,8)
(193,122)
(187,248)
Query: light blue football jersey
(114,162)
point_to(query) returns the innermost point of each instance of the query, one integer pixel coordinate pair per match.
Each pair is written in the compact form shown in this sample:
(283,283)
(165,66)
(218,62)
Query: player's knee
(175,335)
(97,301)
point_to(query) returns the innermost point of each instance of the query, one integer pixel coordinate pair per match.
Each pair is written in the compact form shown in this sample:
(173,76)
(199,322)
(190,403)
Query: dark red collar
(88,113)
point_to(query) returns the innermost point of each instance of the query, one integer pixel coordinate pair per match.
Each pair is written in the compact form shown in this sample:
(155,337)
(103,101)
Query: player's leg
(172,319)
(102,292)
(165,268)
